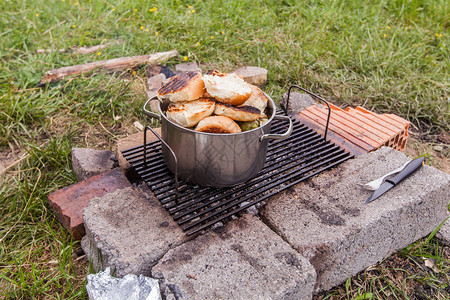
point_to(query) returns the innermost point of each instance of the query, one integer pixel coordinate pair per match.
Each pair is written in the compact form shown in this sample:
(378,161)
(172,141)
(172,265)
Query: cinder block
(243,260)
(128,142)
(129,231)
(68,203)
(87,162)
(444,232)
(326,220)
(187,67)
(253,75)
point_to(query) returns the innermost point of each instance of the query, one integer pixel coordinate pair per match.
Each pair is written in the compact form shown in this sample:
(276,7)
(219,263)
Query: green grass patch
(387,55)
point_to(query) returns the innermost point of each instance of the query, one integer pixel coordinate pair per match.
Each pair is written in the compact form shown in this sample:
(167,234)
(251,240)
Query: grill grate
(304,154)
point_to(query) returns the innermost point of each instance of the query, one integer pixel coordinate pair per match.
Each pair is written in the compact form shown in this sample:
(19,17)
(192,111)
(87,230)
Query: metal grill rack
(290,161)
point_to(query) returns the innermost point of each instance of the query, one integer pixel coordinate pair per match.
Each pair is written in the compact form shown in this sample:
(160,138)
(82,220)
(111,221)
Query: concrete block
(128,142)
(326,220)
(242,260)
(253,75)
(155,82)
(187,67)
(68,203)
(297,102)
(87,162)
(444,233)
(129,231)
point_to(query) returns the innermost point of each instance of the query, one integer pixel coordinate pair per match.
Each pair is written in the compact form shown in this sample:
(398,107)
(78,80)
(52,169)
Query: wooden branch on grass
(80,50)
(109,65)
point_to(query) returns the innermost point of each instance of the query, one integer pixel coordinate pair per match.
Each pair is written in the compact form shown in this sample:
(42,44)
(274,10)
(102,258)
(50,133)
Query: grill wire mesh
(304,154)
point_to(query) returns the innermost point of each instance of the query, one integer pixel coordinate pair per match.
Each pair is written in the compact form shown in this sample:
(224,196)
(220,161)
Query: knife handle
(410,168)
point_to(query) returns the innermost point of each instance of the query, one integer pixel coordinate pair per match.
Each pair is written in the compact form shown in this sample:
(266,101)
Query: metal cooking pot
(211,159)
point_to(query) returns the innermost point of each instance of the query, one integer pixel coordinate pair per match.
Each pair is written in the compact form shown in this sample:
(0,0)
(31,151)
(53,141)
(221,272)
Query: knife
(410,168)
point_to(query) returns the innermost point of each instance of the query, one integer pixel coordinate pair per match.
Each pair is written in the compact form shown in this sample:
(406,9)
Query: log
(80,50)
(109,65)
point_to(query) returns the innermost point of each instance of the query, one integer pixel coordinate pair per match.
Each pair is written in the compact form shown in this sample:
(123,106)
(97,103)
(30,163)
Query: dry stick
(81,50)
(109,64)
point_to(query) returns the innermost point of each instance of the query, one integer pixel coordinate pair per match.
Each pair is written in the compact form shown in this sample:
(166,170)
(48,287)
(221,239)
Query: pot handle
(278,136)
(171,151)
(150,113)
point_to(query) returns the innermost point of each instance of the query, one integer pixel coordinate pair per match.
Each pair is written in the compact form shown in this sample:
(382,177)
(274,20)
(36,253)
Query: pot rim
(272,104)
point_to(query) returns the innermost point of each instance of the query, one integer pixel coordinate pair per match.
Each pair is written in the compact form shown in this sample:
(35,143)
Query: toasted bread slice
(218,124)
(189,113)
(257,99)
(227,88)
(237,113)
(183,87)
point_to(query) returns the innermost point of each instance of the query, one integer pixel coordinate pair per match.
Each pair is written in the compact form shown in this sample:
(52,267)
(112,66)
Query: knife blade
(409,169)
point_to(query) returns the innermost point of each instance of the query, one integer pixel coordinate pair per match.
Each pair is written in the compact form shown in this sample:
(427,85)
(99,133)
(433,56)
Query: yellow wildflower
(189,6)
(63,0)
(134,73)
(389,27)
(37,15)
(105,40)
(113,9)
(76,3)
(185,58)
(222,32)
(142,27)
(193,11)
(156,33)
(198,44)
(135,9)
(212,37)
(74,26)
(152,9)
(98,53)
(147,29)
(385,35)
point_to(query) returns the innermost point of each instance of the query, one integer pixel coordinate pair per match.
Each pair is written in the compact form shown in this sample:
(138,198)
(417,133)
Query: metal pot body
(217,160)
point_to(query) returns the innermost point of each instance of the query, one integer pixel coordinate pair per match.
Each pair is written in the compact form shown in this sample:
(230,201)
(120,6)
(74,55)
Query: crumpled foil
(102,286)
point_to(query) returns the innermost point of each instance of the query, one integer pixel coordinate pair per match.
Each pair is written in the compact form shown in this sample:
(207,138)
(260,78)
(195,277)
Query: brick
(253,75)
(68,203)
(242,260)
(128,142)
(88,162)
(129,231)
(326,220)
(187,67)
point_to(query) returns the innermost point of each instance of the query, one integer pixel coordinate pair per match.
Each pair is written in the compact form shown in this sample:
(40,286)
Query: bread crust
(189,113)
(257,99)
(186,86)
(218,124)
(237,113)
(227,88)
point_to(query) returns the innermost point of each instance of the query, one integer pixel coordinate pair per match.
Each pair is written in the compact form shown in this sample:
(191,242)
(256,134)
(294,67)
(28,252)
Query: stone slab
(129,231)
(444,232)
(242,260)
(68,203)
(253,75)
(297,102)
(326,220)
(128,142)
(187,67)
(87,162)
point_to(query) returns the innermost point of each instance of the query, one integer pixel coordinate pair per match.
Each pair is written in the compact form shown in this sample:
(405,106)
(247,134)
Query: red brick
(69,202)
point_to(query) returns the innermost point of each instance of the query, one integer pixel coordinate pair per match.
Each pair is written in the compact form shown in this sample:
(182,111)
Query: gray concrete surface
(326,220)
(129,231)
(87,162)
(444,232)
(297,101)
(242,260)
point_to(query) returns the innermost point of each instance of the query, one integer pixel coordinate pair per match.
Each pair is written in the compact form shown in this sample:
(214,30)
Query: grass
(390,56)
